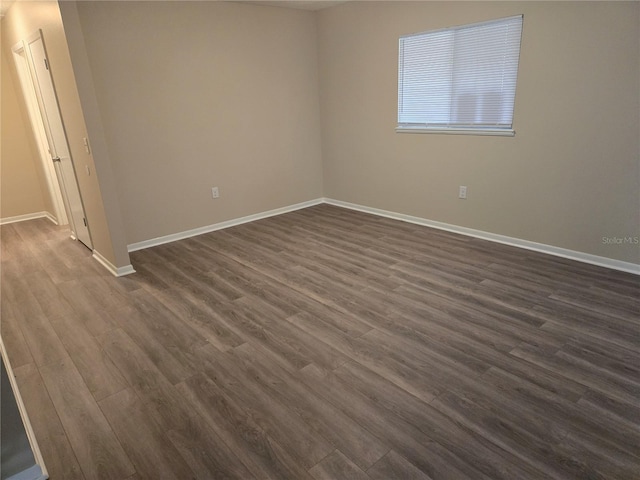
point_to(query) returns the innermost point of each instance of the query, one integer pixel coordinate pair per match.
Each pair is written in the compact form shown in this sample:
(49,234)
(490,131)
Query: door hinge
(46,64)
(85,221)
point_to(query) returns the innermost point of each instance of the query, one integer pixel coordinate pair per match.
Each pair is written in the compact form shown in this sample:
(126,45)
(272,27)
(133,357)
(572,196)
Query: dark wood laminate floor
(323,344)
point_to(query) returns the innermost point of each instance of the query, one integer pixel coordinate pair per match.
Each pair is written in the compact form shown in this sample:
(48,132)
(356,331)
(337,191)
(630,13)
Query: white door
(35,116)
(56,136)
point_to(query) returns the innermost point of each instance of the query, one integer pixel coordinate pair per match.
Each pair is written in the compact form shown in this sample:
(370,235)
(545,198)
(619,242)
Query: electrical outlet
(462,192)
(215,193)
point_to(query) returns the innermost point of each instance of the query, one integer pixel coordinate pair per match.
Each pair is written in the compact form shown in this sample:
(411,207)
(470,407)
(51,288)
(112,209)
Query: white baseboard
(116,271)
(28,216)
(219,226)
(39,470)
(493,237)
(51,218)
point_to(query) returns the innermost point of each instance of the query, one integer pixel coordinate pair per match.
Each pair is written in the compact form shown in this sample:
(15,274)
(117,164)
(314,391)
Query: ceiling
(4,6)
(300,4)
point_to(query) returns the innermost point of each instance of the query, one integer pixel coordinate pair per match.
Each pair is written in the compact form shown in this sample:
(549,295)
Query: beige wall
(200,94)
(278,106)
(22,20)
(571,174)
(22,191)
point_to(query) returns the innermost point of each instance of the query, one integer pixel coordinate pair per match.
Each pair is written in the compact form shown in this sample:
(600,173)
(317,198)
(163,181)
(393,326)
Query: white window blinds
(461,78)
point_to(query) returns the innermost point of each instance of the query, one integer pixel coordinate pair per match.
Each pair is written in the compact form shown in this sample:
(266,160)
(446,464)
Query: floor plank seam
(330,342)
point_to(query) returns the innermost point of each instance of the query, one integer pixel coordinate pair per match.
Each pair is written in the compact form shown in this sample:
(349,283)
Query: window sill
(499,132)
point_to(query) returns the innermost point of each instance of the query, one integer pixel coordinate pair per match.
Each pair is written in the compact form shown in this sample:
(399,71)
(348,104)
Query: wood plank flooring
(323,344)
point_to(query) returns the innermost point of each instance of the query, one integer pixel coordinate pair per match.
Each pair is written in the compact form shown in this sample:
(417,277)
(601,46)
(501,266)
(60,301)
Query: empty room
(320,240)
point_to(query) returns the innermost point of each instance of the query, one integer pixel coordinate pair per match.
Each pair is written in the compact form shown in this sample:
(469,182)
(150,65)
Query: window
(460,79)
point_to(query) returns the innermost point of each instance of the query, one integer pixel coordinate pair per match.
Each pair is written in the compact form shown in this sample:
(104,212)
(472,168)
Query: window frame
(457,129)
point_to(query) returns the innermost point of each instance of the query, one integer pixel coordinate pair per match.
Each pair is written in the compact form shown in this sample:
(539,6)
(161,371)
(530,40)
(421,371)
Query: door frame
(37,125)
(48,120)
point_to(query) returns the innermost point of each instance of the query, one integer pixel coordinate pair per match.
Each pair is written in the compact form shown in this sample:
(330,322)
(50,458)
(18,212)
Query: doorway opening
(38,89)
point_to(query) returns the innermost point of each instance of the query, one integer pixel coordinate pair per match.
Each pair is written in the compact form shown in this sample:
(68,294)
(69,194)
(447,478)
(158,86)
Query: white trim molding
(116,271)
(39,470)
(28,216)
(219,226)
(496,132)
(493,237)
